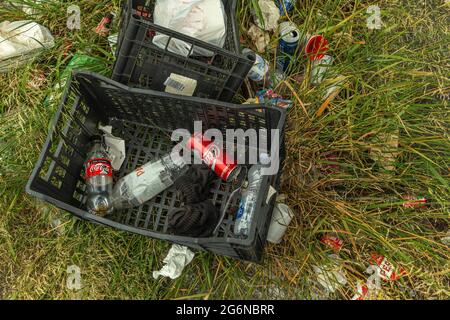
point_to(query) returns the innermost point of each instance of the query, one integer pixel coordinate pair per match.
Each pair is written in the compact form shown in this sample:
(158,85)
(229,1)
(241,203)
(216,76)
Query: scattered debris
(177,258)
(20,41)
(281,218)
(260,38)
(114,146)
(333,242)
(270,14)
(200,19)
(331,275)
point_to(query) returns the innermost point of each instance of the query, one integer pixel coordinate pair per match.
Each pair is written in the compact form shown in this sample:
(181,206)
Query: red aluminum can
(214,157)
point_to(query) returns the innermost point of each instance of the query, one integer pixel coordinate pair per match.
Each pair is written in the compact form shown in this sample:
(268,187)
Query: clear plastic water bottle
(145,182)
(247,205)
(99,179)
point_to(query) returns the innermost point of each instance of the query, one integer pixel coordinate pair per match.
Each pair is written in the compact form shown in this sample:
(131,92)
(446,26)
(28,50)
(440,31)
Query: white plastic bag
(200,19)
(20,40)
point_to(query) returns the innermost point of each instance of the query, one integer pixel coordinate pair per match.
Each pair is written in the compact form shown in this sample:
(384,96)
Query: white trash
(21,40)
(200,19)
(281,218)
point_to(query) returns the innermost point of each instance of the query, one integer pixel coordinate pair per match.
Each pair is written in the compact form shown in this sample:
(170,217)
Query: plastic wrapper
(21,41)
(200,19)
(177,258)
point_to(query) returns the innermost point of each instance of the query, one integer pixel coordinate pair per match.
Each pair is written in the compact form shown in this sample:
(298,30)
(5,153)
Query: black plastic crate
(145,119)
(140,63)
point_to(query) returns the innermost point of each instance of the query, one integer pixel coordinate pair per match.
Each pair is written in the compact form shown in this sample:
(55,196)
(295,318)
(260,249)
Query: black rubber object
(194,220)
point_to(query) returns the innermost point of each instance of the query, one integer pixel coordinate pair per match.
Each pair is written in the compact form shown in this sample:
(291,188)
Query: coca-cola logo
(99,168)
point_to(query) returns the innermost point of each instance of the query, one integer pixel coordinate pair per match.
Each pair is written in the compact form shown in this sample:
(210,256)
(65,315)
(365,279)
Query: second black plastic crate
(146,119)
(140,63)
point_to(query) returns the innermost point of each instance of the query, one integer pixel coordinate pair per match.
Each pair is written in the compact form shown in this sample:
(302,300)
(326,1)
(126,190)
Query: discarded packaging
(21,41)
(333,242)
(316,47)
(260,68)
(281,218)
(286,6)
(270,14)
(330,275)
(200,19)
(99,178)
(114,146)
(260,38)
(386,270)
(290,37)
(177,258)
(270,97)
(319,69)
(147,181)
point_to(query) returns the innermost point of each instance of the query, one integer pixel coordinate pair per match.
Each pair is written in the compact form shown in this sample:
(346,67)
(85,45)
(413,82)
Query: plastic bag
(20,41)
(200,19)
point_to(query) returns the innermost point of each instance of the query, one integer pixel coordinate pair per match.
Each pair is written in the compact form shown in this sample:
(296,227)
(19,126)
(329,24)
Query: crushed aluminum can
(260,68)
(105,24)
(333,242)
(387,271)
(286,7)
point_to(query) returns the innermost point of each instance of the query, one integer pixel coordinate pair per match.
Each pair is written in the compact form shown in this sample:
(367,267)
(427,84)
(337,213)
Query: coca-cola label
(96,167)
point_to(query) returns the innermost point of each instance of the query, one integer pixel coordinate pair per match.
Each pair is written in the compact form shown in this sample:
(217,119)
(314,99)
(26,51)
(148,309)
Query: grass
(396,83)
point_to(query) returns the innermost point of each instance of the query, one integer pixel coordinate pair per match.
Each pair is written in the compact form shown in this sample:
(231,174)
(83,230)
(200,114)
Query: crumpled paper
(260,38)
(177,258)
(115,147)
(331,275)
(270,14)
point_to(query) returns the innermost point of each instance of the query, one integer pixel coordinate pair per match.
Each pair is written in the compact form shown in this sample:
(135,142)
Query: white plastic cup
(281,218)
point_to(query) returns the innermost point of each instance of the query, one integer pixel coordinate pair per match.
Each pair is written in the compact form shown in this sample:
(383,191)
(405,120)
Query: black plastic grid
(140,63)
(145,120)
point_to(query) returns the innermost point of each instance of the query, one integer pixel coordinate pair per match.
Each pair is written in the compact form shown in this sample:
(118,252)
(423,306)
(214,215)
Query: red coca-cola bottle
(99,179)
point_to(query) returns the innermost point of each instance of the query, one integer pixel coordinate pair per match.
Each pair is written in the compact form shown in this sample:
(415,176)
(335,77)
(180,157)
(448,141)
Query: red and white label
(387,271)
(414,203)
(333,242)
(96,167)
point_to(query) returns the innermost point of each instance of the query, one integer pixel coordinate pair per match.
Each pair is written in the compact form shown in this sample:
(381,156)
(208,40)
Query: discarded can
(214,157)
(316,47)
(319,69)
(105,24)
(281,218)
(286,6)
(290,37)
(260,68)
(333,242)
(414,202)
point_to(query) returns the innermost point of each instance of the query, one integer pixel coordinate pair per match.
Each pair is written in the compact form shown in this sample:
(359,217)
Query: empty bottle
(145,182)
(247,205)
(99,180)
